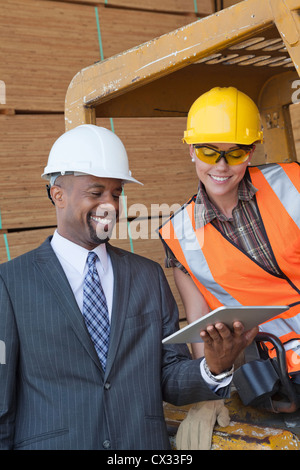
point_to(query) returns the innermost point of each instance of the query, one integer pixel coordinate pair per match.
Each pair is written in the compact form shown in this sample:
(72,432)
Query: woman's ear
(251,155)
(192,152)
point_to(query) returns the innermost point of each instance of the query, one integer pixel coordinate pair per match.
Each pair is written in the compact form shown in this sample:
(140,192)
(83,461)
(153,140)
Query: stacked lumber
(201,7)
(17,243)
(45,43)
(157,158)
(25,144)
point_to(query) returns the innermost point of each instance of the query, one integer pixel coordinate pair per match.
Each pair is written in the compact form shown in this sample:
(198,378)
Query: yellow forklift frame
(253,45)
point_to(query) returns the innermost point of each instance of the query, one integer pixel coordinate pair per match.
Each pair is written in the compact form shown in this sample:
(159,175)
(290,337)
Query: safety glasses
(212,156)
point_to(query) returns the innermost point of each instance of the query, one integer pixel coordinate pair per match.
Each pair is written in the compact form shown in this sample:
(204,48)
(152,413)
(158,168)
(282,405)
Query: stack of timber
(43,45)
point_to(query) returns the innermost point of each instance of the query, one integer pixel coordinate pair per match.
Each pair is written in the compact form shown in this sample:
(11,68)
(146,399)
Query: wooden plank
(45,43)
(25,145)
(201,7)
(17,243)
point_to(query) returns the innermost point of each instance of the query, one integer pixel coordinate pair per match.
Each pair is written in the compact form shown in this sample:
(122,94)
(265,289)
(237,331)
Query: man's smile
(102,220)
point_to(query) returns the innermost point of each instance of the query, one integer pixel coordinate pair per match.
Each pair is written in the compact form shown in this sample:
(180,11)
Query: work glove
(195,431)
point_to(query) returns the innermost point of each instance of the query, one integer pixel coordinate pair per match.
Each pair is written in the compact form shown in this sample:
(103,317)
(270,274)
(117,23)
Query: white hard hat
(89,150)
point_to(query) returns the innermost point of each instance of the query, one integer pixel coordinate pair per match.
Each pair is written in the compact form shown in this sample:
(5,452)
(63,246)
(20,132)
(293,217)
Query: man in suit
(59,387)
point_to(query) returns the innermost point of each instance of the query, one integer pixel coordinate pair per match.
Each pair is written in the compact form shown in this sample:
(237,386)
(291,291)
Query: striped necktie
(95,311)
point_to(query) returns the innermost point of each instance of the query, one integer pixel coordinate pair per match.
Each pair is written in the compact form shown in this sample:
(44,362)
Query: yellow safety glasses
(212,156)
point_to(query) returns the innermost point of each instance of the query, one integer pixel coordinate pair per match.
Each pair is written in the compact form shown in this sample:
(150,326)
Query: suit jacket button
(106,444)
(107,386)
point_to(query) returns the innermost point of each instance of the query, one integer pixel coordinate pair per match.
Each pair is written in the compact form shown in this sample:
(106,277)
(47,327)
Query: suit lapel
(51,271)
(121,291)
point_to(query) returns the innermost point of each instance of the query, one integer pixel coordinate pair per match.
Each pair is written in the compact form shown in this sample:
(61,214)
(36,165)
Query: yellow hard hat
(224,115)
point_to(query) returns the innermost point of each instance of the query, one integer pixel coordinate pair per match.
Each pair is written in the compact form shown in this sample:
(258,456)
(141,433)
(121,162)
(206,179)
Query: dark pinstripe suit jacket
(53,392)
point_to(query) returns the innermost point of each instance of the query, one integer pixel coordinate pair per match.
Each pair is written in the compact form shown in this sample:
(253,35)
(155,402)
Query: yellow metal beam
(166,54)
(286,23)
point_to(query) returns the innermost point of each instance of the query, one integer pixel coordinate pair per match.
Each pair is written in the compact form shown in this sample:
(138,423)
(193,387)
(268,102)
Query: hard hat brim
(129,179)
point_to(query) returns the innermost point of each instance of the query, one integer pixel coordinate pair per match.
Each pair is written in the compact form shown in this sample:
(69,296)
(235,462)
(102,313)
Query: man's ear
(57,195)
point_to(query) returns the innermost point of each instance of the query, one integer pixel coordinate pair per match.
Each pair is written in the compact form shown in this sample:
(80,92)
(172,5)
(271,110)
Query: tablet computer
(249,316)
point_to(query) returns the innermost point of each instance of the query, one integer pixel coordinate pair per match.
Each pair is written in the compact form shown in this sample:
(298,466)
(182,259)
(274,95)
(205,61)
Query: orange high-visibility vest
(226,275)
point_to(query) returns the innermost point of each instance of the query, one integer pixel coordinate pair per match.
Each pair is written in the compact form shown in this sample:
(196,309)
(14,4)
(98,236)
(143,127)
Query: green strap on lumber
(112,124)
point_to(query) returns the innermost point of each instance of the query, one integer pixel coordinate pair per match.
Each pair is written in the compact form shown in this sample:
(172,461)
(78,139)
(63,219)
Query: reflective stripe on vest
(290,197)
(196,259)
(282,325)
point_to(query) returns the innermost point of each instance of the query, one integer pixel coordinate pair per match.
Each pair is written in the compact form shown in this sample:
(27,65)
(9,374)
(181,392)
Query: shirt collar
(75,254)
(206,211)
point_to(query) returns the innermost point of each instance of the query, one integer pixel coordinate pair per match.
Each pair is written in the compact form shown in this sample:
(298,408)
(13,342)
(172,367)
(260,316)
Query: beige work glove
(195,431)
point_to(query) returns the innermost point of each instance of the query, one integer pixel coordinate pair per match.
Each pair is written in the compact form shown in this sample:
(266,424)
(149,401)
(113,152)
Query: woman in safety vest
(238,238)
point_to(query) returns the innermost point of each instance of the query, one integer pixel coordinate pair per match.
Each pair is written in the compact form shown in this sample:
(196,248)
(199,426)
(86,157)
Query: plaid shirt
(244,229)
